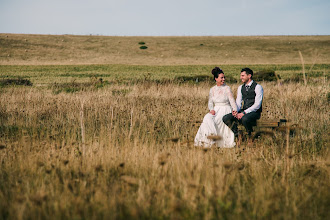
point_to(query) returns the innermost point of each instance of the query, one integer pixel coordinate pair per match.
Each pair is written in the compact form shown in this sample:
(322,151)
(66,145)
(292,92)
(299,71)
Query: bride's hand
(239,116)
(212,112)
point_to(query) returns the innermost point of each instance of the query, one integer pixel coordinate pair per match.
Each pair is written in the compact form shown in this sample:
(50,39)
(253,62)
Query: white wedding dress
(222,101)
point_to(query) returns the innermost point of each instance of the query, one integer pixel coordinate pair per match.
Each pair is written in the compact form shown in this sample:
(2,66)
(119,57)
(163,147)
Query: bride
(221,102)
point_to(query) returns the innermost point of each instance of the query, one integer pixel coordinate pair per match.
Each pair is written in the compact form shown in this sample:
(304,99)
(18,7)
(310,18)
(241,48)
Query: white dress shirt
(257,102)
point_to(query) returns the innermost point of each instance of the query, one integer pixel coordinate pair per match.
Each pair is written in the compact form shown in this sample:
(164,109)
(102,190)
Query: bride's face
(221,79)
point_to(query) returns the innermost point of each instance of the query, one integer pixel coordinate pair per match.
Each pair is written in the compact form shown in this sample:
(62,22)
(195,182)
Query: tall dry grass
(139,163)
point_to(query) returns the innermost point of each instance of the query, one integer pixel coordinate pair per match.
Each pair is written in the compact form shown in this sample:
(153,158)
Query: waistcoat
(249,96)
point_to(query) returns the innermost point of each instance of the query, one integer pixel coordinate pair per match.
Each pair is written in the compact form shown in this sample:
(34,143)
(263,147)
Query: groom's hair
(248,71)
(216,71)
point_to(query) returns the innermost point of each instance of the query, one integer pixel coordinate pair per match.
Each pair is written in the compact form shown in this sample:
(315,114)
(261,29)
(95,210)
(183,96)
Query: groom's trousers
(248,120)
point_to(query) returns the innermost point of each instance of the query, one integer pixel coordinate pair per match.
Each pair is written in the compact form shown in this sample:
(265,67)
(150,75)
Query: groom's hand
(239,115)
(212,112)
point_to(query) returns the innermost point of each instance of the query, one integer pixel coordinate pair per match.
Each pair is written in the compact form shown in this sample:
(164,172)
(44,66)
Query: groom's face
(245,77)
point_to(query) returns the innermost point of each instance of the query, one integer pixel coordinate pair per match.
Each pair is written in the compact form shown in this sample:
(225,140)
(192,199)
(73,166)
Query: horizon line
(103,35)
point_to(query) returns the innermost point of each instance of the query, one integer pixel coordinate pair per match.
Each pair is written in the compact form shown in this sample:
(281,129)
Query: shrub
(143,47)
(142,43)
(201,78)
(265,75)
(17,82)
(230,79)
(294,79)
(73,86)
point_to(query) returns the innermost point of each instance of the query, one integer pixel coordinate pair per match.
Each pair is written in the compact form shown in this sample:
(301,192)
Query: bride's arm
(231,99)
(210,103)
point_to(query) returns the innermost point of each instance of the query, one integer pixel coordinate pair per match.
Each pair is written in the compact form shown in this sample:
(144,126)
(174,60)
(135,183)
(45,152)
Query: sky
(166,17)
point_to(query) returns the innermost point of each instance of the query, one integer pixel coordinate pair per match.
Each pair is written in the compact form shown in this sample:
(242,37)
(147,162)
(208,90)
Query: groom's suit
(251,95)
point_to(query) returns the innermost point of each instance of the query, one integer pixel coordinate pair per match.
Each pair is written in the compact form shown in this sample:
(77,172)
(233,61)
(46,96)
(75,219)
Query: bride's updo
(216,71)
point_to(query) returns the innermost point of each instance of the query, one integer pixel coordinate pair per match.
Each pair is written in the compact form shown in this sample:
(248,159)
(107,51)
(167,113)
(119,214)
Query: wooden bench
(268,127)
(263,127)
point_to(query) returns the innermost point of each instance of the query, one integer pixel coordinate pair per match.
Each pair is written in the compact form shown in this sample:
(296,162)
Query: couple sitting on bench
(225,113)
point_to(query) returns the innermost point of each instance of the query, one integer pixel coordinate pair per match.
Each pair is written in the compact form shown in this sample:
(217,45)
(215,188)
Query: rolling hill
(23,49)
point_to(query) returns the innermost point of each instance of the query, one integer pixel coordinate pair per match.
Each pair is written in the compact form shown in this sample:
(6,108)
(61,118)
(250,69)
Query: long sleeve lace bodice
(221,95)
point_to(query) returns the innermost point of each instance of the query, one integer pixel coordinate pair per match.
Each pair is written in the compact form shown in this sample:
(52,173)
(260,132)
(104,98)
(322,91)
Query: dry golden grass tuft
(214,137)
(130,180)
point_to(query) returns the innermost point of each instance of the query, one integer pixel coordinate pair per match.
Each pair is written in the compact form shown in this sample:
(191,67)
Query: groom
(251,94)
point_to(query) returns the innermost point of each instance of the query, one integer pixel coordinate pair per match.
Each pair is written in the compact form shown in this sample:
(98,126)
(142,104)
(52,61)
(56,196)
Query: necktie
(247,88)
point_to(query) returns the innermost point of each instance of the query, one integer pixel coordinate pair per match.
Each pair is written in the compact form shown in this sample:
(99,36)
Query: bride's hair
(216,71)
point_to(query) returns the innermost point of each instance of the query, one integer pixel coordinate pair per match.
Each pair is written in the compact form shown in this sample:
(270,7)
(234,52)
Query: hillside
(21,49)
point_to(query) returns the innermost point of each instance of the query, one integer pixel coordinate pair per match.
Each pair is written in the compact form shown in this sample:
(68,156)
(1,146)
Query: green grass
(130,73)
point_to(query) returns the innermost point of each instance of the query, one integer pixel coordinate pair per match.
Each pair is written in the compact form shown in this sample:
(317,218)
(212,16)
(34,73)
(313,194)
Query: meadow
(23,49)
(114,141)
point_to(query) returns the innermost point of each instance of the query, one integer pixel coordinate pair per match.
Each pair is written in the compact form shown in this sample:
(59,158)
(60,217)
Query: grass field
(113,141)
(68,49)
